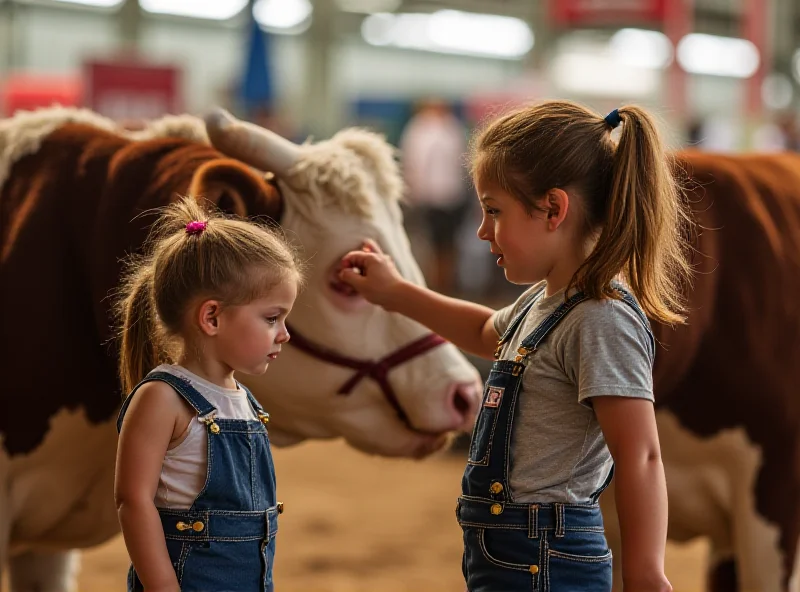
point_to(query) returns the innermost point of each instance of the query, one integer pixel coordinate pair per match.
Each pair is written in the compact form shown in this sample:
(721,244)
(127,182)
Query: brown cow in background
(727,384)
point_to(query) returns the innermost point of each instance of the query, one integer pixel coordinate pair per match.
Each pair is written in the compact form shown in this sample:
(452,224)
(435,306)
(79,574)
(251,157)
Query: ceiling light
(699,53)
(451,31)
(201,9)
(283,16)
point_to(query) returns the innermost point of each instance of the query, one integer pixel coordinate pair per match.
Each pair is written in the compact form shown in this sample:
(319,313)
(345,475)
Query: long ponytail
(645,222)
(140,348)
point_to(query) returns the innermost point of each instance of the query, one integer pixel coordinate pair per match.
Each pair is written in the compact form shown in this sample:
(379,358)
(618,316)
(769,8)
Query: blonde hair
(629,194)
(232,260)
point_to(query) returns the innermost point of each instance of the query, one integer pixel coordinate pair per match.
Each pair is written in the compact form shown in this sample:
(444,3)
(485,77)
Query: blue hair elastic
(613,119)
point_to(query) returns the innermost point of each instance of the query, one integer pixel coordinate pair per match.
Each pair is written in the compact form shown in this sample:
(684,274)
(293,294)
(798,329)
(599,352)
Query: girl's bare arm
(146,432)
(629,427)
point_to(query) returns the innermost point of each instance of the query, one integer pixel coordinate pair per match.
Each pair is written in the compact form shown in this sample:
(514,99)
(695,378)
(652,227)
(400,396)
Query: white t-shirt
(183,473)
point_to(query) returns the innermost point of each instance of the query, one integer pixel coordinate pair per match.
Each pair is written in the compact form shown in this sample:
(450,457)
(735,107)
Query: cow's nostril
(465,403)
(461,401)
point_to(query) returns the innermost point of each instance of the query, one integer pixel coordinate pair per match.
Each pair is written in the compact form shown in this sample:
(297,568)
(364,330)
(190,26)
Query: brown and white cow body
(76,196)
(727,384)
(728,410)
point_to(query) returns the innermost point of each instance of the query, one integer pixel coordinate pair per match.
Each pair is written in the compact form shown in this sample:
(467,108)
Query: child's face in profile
(250,335)
(520,240)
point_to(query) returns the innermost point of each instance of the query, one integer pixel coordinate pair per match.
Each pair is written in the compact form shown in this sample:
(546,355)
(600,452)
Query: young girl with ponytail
(596,226)
(195,483)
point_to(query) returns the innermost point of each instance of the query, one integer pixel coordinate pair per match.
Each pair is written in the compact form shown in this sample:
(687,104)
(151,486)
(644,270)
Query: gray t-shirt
(600,348)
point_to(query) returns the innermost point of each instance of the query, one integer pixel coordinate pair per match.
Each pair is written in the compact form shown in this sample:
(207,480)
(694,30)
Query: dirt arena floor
(355,523)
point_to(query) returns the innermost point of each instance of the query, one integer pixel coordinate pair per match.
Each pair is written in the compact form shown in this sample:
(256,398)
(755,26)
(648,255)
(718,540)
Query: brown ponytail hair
(232,260)
(630,199)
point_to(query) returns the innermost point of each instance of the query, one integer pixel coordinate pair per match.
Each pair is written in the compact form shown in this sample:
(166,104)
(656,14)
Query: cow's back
(58,207)
(48,204)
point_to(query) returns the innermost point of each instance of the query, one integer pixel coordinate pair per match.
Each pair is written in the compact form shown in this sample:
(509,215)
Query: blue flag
(256,89)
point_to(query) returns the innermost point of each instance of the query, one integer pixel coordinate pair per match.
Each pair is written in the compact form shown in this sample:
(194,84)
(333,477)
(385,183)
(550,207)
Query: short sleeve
(607,351)
(503,317)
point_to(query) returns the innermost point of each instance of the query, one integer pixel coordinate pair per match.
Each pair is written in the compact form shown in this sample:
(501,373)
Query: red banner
(579,13)
(125,90)
(32,91)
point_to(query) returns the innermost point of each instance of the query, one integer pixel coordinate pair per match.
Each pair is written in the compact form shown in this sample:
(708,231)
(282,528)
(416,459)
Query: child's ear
(208,316)
(557,207)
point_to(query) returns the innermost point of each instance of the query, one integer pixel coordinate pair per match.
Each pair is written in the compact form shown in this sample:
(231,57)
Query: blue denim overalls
(226,540)
(510,547)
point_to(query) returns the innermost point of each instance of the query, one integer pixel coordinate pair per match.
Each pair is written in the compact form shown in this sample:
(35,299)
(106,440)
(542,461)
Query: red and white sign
(132,90)
(579,13)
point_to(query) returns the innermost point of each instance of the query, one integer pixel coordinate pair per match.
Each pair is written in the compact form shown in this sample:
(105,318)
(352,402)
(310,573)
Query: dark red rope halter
(376,370)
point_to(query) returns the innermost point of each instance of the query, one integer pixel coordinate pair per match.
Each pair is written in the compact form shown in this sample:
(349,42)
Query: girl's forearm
(641,498)
(461,322)
(144,538)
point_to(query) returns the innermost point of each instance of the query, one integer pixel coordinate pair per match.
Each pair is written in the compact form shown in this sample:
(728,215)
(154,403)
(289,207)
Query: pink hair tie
(196,227)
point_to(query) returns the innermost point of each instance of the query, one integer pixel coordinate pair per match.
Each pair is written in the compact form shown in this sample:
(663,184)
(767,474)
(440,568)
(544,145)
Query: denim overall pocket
(500,559)
(580,561)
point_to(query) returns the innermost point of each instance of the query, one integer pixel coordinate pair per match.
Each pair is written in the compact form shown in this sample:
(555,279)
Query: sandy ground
(355,523)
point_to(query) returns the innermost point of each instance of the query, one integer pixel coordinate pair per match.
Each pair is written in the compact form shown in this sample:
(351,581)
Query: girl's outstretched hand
(372,274)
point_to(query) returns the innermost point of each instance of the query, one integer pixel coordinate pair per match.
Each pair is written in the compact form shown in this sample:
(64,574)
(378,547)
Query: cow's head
(335,194)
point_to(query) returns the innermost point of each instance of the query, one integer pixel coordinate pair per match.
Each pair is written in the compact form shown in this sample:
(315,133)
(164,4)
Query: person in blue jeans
(195,482)
(597,225)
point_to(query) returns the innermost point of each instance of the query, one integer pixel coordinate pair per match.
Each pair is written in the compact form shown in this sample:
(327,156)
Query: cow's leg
(759,560)
(794,580)
(45,571)
(722,573)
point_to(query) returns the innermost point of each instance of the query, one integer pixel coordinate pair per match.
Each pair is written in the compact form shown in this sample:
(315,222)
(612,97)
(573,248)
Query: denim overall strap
(517,321)
(628,299)
(182,387)
(262,415)
(240,469)
(532,341)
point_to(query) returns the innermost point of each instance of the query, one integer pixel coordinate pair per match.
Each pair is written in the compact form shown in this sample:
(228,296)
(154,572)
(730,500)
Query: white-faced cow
(75,198)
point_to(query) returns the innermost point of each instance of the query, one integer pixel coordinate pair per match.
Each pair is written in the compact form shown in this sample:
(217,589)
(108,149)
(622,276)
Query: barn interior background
(723,75)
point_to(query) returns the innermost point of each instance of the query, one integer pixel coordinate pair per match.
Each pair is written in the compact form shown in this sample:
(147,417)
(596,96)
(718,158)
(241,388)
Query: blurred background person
(432,148)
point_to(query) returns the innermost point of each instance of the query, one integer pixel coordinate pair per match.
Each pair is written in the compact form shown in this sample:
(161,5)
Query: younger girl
(195,484)
(567,209)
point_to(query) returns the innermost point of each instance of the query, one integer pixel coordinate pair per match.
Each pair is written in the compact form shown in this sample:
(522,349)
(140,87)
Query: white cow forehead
(348,173)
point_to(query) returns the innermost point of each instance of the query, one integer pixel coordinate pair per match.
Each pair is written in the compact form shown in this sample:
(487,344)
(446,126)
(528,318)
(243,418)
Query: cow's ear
(236,189)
